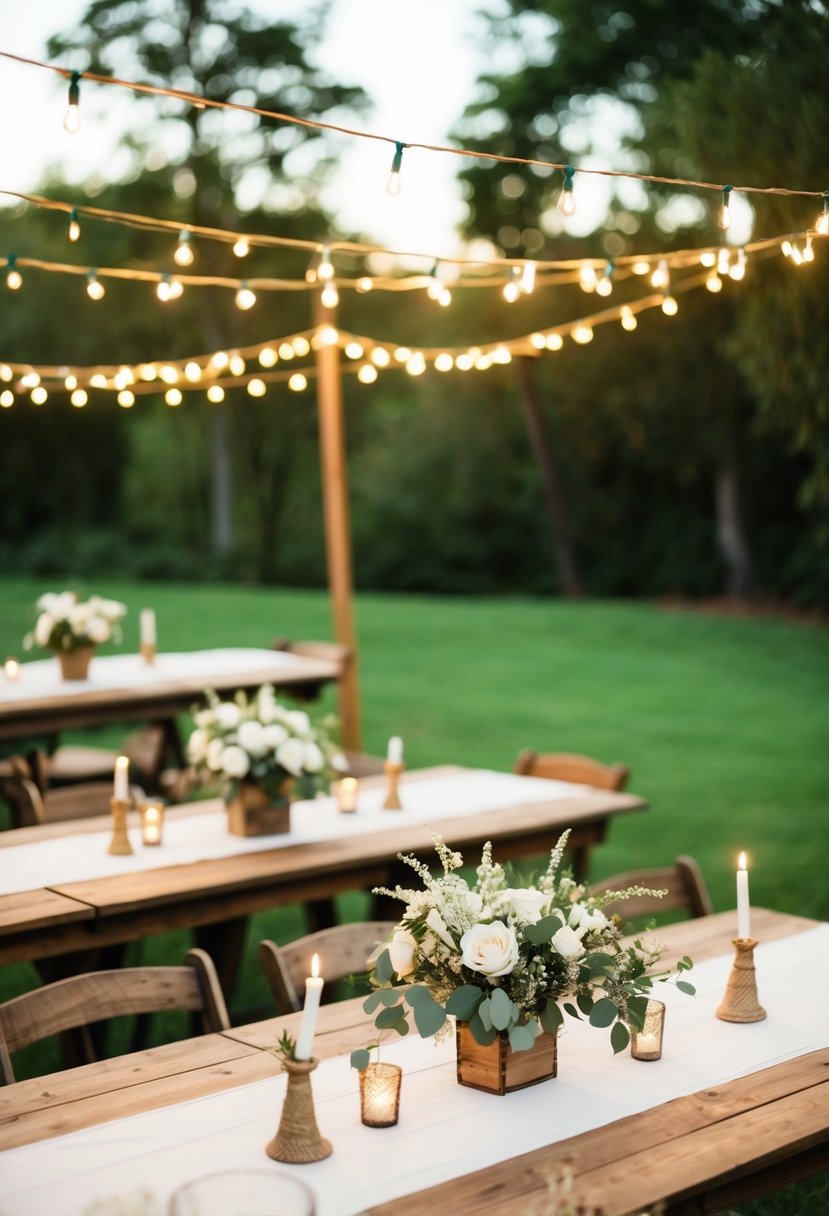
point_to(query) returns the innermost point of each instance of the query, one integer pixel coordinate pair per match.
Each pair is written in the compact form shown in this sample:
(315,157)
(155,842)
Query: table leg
(225,943)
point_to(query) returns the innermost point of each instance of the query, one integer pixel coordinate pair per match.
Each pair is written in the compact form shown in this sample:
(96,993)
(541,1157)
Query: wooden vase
(254,812)
(74,664)
(498,1069)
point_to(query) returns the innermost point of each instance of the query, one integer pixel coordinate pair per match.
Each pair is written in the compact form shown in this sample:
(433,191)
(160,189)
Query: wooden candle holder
(298,1140)
(120,845)
(148,652)
(393,773)
(740,1003)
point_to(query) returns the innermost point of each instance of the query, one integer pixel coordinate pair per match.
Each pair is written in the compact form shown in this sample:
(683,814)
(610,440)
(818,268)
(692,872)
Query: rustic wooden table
(698,1153)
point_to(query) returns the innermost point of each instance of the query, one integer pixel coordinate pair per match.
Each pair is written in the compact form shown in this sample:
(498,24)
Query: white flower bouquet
(66,623)
(502,958)
(262,741)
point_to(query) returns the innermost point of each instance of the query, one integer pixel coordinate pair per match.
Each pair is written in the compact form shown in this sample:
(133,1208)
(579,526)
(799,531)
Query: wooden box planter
(253,812)
(498,1069)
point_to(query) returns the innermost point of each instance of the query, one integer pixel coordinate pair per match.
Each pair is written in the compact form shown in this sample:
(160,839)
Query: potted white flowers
(260,750)
(501,958)
(72,628)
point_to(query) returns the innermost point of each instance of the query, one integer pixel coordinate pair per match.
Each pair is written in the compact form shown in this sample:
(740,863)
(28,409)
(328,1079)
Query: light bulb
(713,282)
(245,298)
(604,287)
(661,277)
(641,267)
(445,297)
(822,222)
(173,396)
(79,398)
(256,388)
(527,280)
(184,250)
(286,350)
(725,210)
(163,289)
(367,374)
(268,356)
(94,288)
(325,270)
(215,393)
(72,117)
(538,341)
(192,371)
(709,258)
(566,202)
(74,227)
(126,399)
(7,399)
(168,373)
(808,251)
(587,277)
(364,284)
(738,270)
(241,248)
(628,318)
(301,346)
(14,279)
(554,342)
(236,365)
(297,382)
(329,296)
(30,380)
(39,395)
(786,249)
(393,184)
(444,362)
(797,256)
(380,357)
(723,261)
(176,289)
(354,350)
(70,382)
(670,306)
(512,288)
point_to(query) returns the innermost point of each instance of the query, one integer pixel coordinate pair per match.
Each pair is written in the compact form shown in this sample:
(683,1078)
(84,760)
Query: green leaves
(464,1001)
(551,1017)
(521,1038)
(619,1038)
(687,988)
(387,1018)
(481,1033)
(500,1009)
(360,1058)
(542,931)
(383,968)
(429,1016)
(603,1013)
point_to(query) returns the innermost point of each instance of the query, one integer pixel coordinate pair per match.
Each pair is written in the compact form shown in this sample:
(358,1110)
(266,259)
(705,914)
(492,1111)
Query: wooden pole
(337,535)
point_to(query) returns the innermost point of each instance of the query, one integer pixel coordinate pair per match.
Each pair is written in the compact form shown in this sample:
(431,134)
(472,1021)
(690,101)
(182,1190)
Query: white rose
(273,735)
(43,628)
(213,755)
(251,736)
(525,904)
(290,755)
(197,746)
(299,721)
(234,761)
(401,952)
(203,717)
(46,602)
(63,604)
(592,921)
(313,759)
(340,763)
(79,617)
(490,949)
(227,715)
(566,942)
(97,630)
(438,926)
(112,610)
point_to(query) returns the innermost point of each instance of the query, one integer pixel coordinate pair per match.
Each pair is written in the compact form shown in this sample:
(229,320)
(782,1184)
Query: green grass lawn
(723,720)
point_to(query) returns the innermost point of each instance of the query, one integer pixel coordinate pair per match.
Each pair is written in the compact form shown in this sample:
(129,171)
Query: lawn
(722,719)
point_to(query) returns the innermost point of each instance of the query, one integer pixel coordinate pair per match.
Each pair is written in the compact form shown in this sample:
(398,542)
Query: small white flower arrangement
(66,623)
(502,958)
(263,741)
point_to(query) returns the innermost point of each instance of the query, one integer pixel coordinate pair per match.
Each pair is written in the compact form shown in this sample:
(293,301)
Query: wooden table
(116,692)
(699,1153)
(73,917)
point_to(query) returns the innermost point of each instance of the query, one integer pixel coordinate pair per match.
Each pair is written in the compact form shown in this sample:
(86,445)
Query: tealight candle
(121,789)
(152,819)
(12,669)
(380,1094)
(347,794)
(394,755)
(310,1012)
(646,1044)
(743,906)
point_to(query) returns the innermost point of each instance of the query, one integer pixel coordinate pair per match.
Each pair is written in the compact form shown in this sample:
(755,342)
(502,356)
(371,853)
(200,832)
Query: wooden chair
(31,802)
(343,951)
(94,996)
(565,766)
(684,883)
(71,763)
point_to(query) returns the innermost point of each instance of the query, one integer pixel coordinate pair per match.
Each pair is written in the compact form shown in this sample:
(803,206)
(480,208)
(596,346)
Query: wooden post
(337,536)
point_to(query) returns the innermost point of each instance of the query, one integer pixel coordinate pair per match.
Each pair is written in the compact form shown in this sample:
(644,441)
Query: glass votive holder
(347,795)
(241,1192)
(152,822)
(380,1094)
(646,1044)
(11,667)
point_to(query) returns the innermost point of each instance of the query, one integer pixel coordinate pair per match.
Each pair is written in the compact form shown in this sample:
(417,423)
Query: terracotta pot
(254,812)
(74,664)
(497,1068)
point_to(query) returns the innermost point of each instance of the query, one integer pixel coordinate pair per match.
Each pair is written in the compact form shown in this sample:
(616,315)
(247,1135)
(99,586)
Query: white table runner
(123,672)
(203,837)
(445,1130)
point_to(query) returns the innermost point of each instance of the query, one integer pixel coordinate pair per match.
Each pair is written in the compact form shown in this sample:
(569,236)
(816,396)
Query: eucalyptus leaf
(500,1009)
(429,1018)
(383,968)
(480,1033)
(585,1003)
(598,962)
(418,994)
(390,996)
(484,1015)
(571,1009)
(360,1058)
(387,1018)
(543,930)
(402,1027)
(551,1017)
(464,1001)
(603,1012)
(373,1000)
(521,1038)
(685,987)
(619,1038)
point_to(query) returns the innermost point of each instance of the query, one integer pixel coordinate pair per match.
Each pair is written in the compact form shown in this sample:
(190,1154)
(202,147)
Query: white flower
(290,755)
(97,630)
(340,763)
(526,904)
(273,735)
(203,717)
(197,746)
(592,921)
(438,926)
(213,756)
(299,721)
(43,628)
(227,715)
(251,736)
(566,942)
(490,949)
(235,761)
(401,952)
(313,760)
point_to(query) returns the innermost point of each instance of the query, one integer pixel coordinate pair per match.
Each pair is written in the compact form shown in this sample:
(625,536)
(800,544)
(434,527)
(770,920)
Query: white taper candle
(310,1011)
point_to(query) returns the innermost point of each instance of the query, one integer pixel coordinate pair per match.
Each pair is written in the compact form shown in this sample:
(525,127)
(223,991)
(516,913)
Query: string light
(713,282)
(605,286)
(393,186)
(437,290)
(628,318)
(822,221)
(725,209)
(14,279)
(301,346)
(79,398)
(168,373)
(364,285)
(184,255)
(325,269)
(329,296)
(587,277)
(444,362)
(241,247)
(72,117)
(30,380)
(641,267)
(566,202)
(70,382)
(582,334)
(268,356)
(215,394)
(527,280)
(808,251)
(6,399)
(126,399)
(245,298)
(367,374)
(354,350)
(94,287)
(173,396)
(737,272)
(257,388)
(380,357)
(39,395)
(661,276)
(74,227)
(512,288)
(554,342)
(297,382)
(192,372)
(669,306)
(723,261)
(236,365)
(286,350)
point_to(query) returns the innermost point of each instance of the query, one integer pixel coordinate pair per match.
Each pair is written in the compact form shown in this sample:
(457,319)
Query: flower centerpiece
(72,628)
(260,750)
(508,962)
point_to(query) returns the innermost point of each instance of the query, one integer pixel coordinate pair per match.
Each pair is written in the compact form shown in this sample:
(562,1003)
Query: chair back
(568,766)
(343,951)
(97,996)
(683,882)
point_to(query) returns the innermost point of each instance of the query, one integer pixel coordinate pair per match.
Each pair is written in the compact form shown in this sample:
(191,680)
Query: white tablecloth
(205,836)
(445,1130)
(121,672)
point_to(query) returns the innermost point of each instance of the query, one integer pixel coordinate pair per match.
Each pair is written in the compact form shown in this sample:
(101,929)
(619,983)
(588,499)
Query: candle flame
(315,966)
(743,864)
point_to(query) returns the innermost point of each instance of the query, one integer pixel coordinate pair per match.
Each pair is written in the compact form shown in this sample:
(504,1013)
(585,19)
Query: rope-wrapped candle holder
(394,770)
(740,1003)
(298,1140)
(119,845)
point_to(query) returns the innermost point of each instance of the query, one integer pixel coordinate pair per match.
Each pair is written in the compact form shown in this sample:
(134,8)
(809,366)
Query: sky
(417,60)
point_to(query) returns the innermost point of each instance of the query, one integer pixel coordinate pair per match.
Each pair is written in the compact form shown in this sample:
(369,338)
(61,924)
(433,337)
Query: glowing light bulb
(79,398)
(538,341)
(527,280)
(661,277)
(329,296)
(257,388)
(325,270)
(30,380)
(723,261)
(786,249)
(566,202)
(6,372)
(354,350)
(393,184)
(554,342)
(176,289)
(797,256)
(245,298)
(173,396)
(286,350)
(364,284)
(512,288)
(628,318)
(6,398)
(94,287)
(72,117)
(163,288)
(444,362)
(14,279)
(725,209)
(416,365)
(184,250)
(39,395)
(367,374)
(604,287)
(241,248)
(670,306)
(641,268)
(220,360)
(380,357)
(708,258)
(99,380)
(215,393)
(301,346)
(70,382)
(268,356)
(126,399)
(297,382)
(738,270)
(713,282)
(168,374)
(192,372)
(808,251)
(74,233)
(236,365)
(464,362)
(327,335)
(822,221)
(587,277)
(582,334)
